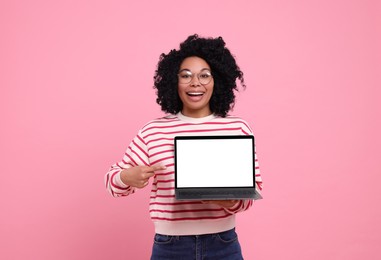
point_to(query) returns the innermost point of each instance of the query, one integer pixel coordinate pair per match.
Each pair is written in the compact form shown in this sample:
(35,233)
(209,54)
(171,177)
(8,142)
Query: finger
(155,168)
(159,167)
(149,172)
(142,184)
(147,175)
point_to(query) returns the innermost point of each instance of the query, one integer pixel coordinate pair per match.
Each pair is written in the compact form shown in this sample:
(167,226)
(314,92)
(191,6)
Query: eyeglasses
(204,77)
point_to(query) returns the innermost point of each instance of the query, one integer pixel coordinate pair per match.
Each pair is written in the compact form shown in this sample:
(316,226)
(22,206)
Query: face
(195,87)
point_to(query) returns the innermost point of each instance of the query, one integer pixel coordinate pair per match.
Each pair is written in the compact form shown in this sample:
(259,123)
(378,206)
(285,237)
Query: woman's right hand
(138,176)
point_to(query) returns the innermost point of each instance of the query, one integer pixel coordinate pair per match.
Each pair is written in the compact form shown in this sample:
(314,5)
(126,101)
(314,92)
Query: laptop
(215,167)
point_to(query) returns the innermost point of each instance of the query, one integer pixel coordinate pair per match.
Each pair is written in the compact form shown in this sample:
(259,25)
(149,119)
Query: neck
(196,114)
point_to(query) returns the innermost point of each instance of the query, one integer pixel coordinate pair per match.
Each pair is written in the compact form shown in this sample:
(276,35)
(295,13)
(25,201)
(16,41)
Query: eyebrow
(191,71)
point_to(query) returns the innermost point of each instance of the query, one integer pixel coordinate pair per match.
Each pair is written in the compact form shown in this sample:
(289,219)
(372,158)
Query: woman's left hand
(222,203)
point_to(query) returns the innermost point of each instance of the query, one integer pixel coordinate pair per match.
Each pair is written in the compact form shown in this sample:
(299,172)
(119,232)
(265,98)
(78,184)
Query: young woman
(195,87)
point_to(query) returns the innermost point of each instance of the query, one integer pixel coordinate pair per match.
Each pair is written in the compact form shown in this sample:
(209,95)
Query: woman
(195,86)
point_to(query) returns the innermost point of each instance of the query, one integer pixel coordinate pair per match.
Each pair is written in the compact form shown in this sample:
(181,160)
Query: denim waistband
(201,235)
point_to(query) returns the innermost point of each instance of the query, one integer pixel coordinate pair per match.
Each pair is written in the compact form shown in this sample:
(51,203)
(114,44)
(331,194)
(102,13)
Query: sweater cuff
(118,181)
(235,207)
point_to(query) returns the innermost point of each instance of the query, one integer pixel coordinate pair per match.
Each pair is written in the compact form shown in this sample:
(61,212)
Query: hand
(138,176)
(222,203)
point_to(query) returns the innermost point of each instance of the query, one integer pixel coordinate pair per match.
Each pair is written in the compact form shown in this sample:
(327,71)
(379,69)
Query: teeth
(195,93)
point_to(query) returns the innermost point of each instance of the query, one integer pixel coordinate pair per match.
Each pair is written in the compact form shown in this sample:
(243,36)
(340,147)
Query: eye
(185,76)
(205,75)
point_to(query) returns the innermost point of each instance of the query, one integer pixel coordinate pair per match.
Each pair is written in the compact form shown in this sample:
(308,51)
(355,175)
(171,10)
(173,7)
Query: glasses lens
(185,77)
(205,77)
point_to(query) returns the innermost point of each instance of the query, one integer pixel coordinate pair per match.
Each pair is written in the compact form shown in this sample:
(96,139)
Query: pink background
(76,85)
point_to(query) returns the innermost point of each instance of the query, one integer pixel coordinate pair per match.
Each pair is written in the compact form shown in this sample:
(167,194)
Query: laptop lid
(215,167)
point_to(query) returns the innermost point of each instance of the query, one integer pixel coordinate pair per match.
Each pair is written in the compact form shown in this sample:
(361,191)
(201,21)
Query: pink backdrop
(76,85)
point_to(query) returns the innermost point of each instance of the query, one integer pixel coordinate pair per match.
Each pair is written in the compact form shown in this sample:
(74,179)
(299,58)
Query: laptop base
(219,194)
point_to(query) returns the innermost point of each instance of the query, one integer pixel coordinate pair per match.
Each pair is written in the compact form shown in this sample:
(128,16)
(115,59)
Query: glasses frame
(197,75)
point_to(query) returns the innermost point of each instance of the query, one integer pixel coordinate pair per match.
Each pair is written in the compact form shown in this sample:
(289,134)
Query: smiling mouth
(195,94)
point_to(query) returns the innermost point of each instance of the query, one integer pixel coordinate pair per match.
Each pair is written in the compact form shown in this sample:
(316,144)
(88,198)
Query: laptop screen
(214,161)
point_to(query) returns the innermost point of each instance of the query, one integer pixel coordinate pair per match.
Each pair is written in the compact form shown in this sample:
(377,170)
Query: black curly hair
(223,66)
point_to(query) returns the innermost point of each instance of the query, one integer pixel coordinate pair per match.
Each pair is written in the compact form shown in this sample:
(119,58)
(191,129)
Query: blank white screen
(215,163)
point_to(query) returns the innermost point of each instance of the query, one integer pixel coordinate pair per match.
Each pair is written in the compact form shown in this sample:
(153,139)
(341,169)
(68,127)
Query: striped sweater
(154,145)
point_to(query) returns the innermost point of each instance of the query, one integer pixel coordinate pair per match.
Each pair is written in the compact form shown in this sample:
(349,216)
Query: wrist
(123,175)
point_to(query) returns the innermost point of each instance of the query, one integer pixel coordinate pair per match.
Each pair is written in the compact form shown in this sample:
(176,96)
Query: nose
(195,81)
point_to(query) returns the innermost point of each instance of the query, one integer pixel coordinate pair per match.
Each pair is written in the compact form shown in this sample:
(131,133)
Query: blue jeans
(217,246)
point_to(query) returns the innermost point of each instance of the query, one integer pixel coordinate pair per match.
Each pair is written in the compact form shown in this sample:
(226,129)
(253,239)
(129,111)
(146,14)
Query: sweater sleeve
(246,129)
(135,155)
(243,205)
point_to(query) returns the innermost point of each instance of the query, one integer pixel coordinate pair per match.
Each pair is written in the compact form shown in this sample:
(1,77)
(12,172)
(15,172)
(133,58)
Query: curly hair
(223,66)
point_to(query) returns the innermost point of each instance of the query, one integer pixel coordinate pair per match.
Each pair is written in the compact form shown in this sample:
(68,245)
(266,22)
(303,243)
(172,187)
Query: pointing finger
(154,168)
(147,175)
(158,167)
